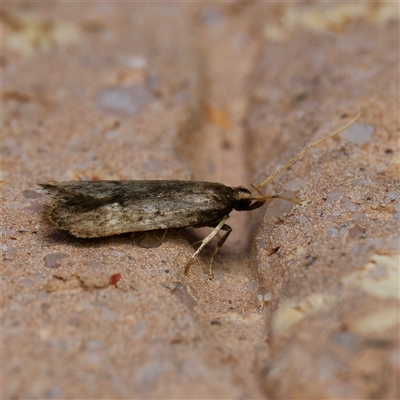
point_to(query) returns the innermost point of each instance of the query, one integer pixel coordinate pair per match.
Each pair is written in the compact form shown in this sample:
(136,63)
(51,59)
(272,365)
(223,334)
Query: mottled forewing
(104,208)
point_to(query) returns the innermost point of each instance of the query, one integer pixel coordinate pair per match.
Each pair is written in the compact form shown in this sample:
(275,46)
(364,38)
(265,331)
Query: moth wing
(104,208)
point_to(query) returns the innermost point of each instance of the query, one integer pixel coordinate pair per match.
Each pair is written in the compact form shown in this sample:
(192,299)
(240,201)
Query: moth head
(244,200)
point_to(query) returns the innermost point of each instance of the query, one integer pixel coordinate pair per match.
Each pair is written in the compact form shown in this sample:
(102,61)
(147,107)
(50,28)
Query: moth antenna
(310,146)
(258,191)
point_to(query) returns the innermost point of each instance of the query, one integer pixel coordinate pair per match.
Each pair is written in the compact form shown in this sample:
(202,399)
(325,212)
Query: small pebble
(360,182)
(335,214)
(11,250)
(53,260)
(36,207)
(302,219)
(252,285)
(112,134)
(182,294)
(357,216)
(264,298)
(114,279)
(393,195)
(359,133)
(8,232)
(334,195)
(137,62)
(356,231)
(332,231)
(131,100)
(347,204)
(308,227)
(92,264)
(219,277)
(381,167)
(267,296)
(31,194)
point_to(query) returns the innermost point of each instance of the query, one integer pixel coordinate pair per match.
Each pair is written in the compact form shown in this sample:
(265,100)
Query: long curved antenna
(258,191)
(316,143)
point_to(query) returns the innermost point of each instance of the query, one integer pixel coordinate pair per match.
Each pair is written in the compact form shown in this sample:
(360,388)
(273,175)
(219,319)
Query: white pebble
(357,216)
(335,214)
(130,100)
(267,296)
(332,231)
(303,219)
(360,182)
(393,195)
(359,133)
(334,195)
(347,204)
(93,264)
(53,260)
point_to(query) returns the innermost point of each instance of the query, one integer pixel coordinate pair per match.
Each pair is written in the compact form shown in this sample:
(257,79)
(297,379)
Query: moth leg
(220,243)
(207,239)
(165,234)
(210,236)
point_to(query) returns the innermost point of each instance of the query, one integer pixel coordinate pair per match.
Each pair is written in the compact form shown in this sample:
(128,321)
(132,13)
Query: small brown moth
(89,209)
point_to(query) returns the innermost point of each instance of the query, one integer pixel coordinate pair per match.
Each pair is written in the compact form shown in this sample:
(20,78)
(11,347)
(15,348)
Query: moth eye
(244,191)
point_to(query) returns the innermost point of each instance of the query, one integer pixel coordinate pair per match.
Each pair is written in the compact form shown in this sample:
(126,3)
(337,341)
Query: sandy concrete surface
(305,301)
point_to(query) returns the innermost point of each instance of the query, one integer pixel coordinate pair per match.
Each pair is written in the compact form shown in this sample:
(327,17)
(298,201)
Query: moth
(90,209)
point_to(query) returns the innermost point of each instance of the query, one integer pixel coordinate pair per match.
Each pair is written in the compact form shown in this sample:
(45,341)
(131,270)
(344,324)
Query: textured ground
(305,300)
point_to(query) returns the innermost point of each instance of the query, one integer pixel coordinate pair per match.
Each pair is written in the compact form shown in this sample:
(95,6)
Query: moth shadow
(60,236)
(193,236)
